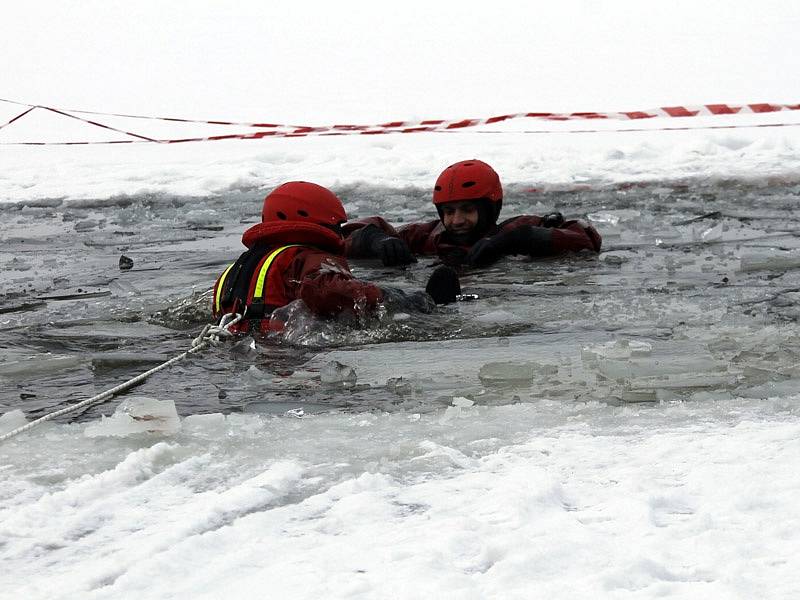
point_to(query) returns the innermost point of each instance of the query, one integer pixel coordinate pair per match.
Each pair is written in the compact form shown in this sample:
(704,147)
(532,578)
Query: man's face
(460,218)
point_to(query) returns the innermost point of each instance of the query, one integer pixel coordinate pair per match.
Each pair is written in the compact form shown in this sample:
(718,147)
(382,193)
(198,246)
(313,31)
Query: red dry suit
(286,261)
(432,238)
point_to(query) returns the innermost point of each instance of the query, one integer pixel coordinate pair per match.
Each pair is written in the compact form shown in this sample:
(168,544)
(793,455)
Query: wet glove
(553,219)
(399,301)
(526,239)
(391,250)
(443,285)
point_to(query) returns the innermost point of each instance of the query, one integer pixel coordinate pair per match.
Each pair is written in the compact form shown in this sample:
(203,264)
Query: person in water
(297,252)
(468,197)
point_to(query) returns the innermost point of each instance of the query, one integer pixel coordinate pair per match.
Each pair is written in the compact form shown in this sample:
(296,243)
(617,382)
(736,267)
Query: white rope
(211,335)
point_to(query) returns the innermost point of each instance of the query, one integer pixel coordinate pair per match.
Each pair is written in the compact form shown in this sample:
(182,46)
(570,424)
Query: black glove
(375,243)
(526,239)
(553,219)
(393,251)
(399,301)
(443,285)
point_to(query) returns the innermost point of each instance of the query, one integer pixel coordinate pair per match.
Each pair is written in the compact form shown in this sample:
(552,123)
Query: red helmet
(467,180)
(304,202)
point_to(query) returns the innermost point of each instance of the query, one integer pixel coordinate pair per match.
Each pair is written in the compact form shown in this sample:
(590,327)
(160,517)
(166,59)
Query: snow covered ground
(625,427)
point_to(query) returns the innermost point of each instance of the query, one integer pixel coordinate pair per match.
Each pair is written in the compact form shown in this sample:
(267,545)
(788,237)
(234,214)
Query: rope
(283,130)
(210,335)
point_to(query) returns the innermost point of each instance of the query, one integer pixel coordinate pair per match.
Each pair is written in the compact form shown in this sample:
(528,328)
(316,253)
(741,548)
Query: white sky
(359,61)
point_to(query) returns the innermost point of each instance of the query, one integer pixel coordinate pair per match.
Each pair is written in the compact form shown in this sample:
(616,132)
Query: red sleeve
(418,237)
(329,294)
(379,222)
(574,236)
(571,236)
(324,282)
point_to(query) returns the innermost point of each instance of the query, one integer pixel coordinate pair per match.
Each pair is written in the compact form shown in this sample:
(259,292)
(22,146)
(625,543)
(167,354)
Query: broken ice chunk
(138,414)
(211,423)
(459,409)
(617,349)
(334,373)
(508,373)
(37,364)
(244,347)
(712,233)
(203,219)
(604,218)
(676,381)
(255,377)
(776,262)
(12,420)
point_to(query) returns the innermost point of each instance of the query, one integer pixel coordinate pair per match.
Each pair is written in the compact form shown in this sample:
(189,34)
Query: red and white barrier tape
(269,130)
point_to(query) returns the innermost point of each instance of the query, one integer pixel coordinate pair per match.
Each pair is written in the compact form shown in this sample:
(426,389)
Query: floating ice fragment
(683,380)
(451,413)
(712,233)
(203,219)
(399,386)
(613,217)
(297,413)
(616,349)
(771,389)
(603,217)
(42,363)
(243,347)
(122,288)
(335,372)
(514,372)
(614,259)
(11,420)
(778,262)
(205,422)
(116,360)
(86,225)
(255,377)
(138,414)
(462,402)
(498,317)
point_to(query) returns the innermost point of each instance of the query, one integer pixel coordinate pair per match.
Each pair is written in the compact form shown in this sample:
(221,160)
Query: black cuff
(540,241)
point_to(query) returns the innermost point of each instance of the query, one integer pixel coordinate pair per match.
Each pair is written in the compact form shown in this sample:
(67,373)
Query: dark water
(73,324)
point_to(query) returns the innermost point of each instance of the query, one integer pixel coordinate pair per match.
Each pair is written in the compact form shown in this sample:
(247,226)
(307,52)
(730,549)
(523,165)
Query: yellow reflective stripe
(258,293)
(220,285)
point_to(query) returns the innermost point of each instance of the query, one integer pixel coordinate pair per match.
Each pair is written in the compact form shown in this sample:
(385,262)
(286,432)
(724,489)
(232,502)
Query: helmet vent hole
(438,188)
(469,164)
(281,216)
(467,184)
(302,213)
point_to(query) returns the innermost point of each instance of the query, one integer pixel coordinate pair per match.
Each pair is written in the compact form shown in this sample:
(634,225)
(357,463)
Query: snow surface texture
(349,63)
(624,509)
(538,498)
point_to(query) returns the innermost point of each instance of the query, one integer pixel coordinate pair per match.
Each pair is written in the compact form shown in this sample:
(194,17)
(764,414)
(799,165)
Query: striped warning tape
(269,130)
